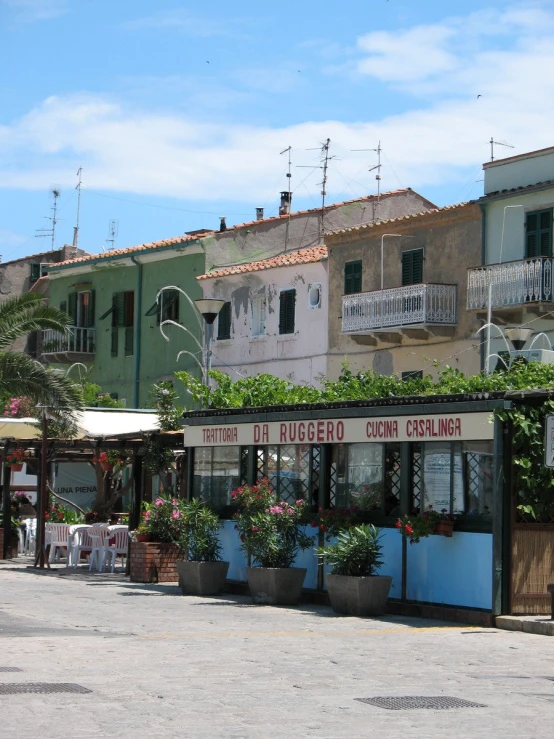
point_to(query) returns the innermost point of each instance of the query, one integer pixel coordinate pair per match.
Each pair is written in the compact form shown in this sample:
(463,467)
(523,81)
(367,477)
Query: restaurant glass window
(478,476)
(357,476)
(292,470)
(456,477)
(216,474)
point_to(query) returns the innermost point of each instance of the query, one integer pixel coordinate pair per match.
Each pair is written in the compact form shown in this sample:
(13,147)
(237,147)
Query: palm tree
(20,374)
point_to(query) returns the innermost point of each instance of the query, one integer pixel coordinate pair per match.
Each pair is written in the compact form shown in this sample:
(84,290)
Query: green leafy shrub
(356,552)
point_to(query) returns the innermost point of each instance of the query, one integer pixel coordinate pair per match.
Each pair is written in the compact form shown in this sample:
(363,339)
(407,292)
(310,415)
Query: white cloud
(28,11)
(179,21)
(129,149)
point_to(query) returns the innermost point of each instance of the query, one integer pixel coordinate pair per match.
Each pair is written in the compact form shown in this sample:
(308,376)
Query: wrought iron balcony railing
(79,340)
(511,283)
(423,304)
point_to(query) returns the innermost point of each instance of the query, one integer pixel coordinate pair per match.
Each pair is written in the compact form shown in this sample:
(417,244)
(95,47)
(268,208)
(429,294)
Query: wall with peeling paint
(301,356)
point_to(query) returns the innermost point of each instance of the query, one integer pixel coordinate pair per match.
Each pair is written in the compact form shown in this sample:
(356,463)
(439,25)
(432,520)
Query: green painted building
(111,298)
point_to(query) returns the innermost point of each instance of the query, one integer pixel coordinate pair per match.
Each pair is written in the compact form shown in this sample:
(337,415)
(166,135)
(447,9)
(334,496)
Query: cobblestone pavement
(163,665)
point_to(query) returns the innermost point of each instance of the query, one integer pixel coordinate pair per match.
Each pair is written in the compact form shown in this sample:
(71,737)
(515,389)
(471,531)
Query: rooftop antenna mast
(113,228)
(325,159)
(494,143)
(76,227)
(377,176)
(288,151)
(42,232)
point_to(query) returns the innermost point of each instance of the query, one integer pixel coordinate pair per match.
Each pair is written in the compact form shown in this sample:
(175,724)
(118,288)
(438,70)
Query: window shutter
(129,341)
(352,277)
(118,315)
(115,337)
(287,302)
(63,306)
(545,235)
(532,236)
(92,301)
(224,322)
(35,272)
(412,267)
(72,307)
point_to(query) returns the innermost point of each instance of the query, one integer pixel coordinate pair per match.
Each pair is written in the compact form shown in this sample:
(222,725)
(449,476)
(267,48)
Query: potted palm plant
(201,571)
(354,588)
(271,533)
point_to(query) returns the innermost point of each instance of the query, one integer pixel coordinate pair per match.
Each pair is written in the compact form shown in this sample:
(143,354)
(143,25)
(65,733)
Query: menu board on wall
(436,479)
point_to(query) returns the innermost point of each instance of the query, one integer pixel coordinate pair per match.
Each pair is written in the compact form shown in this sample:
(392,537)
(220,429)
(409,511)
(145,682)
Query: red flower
(323,527)
(409,529)
(398,524)
(46,516)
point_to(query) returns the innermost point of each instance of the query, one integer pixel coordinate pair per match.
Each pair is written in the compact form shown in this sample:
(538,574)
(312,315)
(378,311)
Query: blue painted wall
(455,571)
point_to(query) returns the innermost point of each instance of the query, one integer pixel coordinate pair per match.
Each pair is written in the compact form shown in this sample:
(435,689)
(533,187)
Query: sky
(178,112)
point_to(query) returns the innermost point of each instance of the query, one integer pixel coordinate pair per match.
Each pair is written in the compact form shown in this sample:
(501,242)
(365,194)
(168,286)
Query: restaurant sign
(445,427)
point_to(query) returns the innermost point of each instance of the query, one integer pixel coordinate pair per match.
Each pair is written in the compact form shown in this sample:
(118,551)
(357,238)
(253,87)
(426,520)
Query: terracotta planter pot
(444,527)
(106,466)
(358,596)
(276,586)
(17,466)
(143,537)
(202,578)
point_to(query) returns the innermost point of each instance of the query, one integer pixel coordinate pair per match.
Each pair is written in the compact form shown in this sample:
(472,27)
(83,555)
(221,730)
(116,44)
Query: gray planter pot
(276,586)
(358,596)
(201,578)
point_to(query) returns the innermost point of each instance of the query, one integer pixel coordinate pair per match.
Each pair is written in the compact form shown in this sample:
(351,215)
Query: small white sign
(549,442)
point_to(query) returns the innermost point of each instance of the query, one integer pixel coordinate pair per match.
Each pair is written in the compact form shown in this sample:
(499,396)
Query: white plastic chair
(119,547)
(20,541)
(79,543)
(58,540)
(99,535)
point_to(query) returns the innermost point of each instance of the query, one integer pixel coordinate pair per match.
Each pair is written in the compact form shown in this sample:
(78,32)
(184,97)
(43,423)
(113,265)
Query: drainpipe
(483,262)
(137,333)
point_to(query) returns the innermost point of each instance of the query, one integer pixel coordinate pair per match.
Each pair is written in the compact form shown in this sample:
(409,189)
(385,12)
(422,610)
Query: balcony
(514,285)
(77,344)
(411,310)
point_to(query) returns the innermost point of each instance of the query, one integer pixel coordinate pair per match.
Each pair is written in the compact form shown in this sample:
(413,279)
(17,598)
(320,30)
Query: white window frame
(258,316)
(313,286)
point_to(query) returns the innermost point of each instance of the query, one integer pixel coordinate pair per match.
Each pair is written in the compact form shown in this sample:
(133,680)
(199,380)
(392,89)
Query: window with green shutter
(72,307)
(538,234)
(224,322)
(287,304)
(412,267)
(129,341)
(35,272)
(353,277)
(115,341)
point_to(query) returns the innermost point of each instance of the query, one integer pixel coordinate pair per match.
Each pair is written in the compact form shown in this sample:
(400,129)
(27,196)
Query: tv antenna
(113,229)
(288,151)
(78,188)
(378,175)
(494,143)
(324,159)
(43,232)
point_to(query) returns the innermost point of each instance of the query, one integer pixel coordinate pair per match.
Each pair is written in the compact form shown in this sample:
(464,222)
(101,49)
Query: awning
(110,423)
(20,428)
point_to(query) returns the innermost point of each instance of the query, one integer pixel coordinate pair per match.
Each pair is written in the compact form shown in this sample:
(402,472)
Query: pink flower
(255,528)
(300,502)
(176,514)
(174,501)
(158,502)
(147,515)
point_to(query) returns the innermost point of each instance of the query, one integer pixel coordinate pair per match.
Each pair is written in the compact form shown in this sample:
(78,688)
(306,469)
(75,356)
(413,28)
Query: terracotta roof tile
(302,256)
(132,249)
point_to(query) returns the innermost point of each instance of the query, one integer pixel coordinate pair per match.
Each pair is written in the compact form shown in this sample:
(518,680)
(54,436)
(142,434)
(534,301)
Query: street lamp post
(383,237)
(489,297)
(209,310)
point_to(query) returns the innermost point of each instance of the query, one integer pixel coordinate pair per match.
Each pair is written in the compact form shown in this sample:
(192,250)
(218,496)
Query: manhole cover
(10,669)
(409,702)
(10,688)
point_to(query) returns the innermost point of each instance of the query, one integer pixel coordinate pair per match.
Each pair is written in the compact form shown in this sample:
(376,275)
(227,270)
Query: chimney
(286,198)
(259,214)
(222,224)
